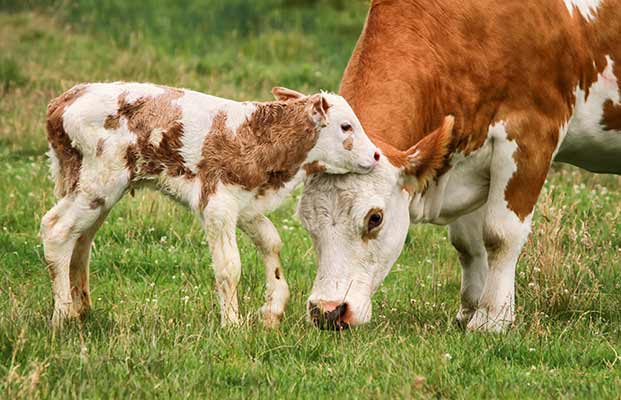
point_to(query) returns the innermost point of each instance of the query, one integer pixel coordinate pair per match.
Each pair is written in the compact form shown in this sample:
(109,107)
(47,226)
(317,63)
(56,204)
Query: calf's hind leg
(266,239)
(79,268)
(61,229)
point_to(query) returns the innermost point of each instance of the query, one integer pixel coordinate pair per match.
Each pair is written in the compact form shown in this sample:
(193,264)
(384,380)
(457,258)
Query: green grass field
(154,331)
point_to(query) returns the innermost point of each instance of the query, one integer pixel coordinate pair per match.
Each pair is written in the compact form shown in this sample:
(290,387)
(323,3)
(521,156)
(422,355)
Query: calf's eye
(346,127)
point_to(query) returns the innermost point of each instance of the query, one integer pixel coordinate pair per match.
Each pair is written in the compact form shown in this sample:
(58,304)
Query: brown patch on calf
(264,153)
(277,273)
(348,143)
(69,158)
(314,167)
(99,148)
(611,119)
(112,122)
(131,160)
(144,115)
(97,202)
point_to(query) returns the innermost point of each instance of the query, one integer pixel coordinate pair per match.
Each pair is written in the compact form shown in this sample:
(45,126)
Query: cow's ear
(284,94)
(319,108)
(427,158)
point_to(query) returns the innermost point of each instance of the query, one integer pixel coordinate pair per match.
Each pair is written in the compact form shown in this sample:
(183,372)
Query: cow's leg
(61,229)
(466,235)
(518,171)
(266,238)
(220,221)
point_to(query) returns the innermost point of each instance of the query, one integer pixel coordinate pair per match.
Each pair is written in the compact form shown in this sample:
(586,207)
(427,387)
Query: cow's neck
(386,80)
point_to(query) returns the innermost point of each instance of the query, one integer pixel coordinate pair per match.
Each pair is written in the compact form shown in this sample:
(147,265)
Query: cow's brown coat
(436,59)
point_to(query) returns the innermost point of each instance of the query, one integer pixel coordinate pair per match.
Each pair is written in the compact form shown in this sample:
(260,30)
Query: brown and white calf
(230,162)
(526,83)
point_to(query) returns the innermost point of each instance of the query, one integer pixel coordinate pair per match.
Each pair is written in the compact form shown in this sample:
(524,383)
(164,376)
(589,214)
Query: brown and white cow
(470,101)
(230,162)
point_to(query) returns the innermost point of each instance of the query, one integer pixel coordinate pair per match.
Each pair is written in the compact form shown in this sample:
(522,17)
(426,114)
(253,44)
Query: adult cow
(470,101)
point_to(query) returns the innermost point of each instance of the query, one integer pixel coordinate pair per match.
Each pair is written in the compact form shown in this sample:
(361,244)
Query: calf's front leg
(266,239)
(220,228)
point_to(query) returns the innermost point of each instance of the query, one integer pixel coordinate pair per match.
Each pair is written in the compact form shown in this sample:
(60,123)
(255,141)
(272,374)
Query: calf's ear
(430,157)
(319,109)
(284,94)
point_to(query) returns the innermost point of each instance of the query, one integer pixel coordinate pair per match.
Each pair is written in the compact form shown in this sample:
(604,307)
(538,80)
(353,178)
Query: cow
(470,102)
(229,162)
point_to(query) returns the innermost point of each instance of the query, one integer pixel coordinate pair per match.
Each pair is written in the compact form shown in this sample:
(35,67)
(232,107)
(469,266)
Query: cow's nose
(329,315)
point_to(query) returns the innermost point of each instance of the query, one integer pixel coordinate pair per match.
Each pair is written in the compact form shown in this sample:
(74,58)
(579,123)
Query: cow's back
(484,62)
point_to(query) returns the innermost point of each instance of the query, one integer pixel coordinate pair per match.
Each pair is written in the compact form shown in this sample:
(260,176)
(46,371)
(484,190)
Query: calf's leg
(266,239)
(220,221)
(79,268)
(61,229)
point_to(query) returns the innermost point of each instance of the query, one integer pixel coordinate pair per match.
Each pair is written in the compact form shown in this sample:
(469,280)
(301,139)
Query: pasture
(154,330)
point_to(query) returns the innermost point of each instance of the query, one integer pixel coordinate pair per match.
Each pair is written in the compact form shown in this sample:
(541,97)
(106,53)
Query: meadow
(154,331)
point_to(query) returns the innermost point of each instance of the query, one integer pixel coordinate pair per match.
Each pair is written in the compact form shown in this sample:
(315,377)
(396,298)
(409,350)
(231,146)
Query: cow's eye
(374,220)
(346,127)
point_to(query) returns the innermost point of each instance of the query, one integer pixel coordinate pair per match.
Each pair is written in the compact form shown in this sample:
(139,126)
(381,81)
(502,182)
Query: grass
(154,330)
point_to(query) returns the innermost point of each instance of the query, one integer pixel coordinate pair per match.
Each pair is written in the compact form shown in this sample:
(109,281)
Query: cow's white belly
(588,144)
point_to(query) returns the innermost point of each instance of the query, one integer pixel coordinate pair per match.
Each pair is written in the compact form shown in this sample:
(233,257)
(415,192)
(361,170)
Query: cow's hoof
(463,317)
(482,321)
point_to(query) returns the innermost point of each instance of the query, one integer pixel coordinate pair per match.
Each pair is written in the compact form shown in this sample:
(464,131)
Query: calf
(230,162)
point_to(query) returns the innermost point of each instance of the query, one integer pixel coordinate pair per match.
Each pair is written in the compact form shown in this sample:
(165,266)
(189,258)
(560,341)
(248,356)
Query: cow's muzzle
(330,315)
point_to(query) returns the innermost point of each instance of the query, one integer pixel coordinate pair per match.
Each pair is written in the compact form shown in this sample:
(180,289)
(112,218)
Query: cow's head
(358,224)
(342,144)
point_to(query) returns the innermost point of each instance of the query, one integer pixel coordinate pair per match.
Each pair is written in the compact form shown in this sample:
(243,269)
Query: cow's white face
(358,224)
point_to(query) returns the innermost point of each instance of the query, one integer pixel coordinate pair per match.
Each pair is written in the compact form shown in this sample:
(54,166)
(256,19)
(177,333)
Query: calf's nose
(329,315)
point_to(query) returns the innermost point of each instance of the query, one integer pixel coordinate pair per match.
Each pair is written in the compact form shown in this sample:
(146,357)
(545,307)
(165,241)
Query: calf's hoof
(271,321)
(62,316)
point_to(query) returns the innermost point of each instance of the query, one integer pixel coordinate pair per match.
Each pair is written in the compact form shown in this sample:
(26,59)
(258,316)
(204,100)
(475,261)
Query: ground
(154,331)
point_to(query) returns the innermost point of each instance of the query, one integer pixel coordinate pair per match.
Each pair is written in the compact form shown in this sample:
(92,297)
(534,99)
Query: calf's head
(342,144)
(358,224)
